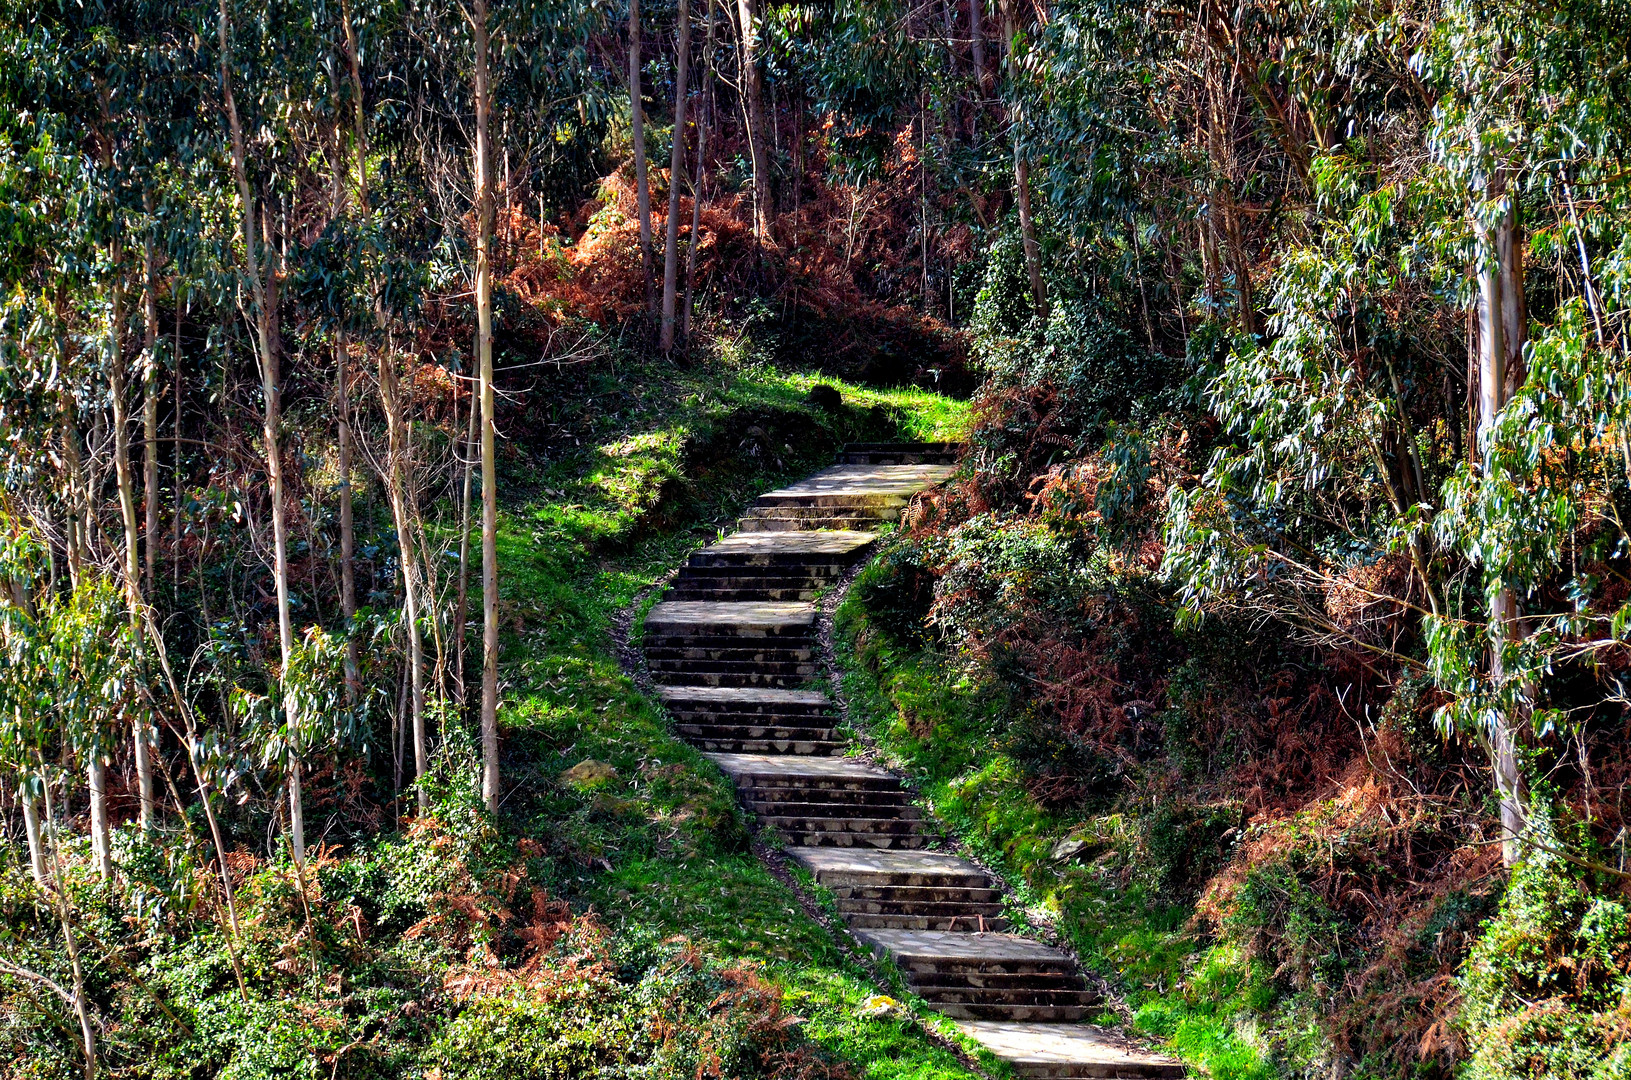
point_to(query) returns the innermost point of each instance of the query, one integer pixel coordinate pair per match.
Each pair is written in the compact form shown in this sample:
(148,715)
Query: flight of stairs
(731,646)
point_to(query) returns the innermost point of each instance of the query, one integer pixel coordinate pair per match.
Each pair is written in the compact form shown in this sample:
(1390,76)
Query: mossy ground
(664,461)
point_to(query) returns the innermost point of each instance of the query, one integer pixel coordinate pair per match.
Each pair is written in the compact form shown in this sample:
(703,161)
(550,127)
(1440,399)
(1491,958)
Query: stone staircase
(731,645)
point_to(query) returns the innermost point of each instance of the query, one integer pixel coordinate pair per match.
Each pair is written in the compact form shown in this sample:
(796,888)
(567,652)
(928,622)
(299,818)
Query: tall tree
(1022,164)
(676,169)
(256,264)
(637,133)
(754,107)
(489,470)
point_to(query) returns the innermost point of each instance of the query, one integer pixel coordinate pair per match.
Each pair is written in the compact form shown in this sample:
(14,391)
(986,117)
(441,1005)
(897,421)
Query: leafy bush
(1547,987)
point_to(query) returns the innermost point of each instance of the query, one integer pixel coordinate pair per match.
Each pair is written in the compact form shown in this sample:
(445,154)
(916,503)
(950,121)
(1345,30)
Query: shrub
(1547,987)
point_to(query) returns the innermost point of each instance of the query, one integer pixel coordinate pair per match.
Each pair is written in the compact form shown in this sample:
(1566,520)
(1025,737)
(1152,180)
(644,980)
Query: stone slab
(739,615)
(735,765)
(741,695)
(899,480)
(927,945)
(807,542)
(1066,1049)
(836,861)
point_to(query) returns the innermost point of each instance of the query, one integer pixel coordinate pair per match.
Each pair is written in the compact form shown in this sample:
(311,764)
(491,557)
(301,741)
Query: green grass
(945,729)
(662,459)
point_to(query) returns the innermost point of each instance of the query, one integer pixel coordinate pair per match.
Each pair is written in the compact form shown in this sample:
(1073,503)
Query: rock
(824,397)
(882,1007)
(1069,848)
(589,773)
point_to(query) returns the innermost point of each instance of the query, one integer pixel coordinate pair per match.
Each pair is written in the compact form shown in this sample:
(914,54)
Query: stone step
(764,619)
(733,702)
(900,453)
(855,840)
(1049,1014)
(1008,980)
(1028,995)
(963,924)
(926,908)
(871,826)
(787,652)
(752,771)
(806,550)
(728,679)
(729,596)
(882,802)
(791,669)
(775,523)
(922,894)
(920,954)
(727,641)
(819,747)
(856,484)
(770,650)
(1068,1051)
(814,811)
(757,731)
(927,869)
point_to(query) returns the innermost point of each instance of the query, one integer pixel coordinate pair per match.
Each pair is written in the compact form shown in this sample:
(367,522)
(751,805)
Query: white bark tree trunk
(266,334)
(753,102)
(489,478)
(676,169)
(637,133)
(1502,329)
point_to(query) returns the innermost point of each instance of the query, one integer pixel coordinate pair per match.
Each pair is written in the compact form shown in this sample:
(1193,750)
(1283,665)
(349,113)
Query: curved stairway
(730,645)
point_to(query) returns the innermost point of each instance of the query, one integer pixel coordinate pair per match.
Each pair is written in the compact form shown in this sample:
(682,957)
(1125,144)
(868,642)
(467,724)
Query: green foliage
(1546,988)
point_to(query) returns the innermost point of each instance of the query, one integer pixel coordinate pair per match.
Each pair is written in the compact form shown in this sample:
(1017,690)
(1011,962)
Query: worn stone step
(857,483)
(817,811)
(806,550)
(728,679)
(752,771)
(900,453)
(745,594)
(922,894)
(773,523)
(928,869)
(1069,1051)
(874,826)
(795,652)
(926,908)
(880,802)
(727,641)
(924,953)
(1007,980)
(963,924)
(758,731)
(1027,995)
(762,619)
(754,672)
(1051,1014)
(855,840)
(819,747)
(730,702)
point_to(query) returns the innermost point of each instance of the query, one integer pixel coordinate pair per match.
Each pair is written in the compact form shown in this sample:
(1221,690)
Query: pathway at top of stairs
(731,646)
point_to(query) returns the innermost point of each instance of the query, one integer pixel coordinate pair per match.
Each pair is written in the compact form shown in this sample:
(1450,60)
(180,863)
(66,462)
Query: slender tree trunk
(65,916)
(96,776)
(77,541)
(976,33)
(405,553)
(704,122)
(36,840)
(348,532)
(489,478)
(266,334)
(642,188)
(676,169)
(753,101)
(175,456)
(461,604)
(1502,328)
(1022,170)
(127,512)
(150,414)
